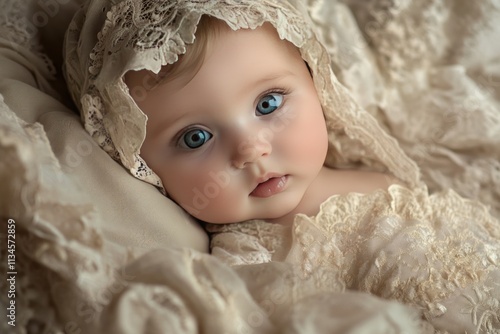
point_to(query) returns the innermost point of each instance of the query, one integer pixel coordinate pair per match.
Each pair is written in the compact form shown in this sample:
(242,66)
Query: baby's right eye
(269,103)
(195,138)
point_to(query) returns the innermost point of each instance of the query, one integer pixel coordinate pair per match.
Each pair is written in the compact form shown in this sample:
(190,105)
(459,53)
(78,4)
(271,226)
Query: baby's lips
(272,186)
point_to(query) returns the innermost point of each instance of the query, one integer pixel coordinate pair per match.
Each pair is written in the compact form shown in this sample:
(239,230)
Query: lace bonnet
(107,38)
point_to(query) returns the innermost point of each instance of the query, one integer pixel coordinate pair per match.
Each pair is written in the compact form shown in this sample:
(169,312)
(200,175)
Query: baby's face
(245,137)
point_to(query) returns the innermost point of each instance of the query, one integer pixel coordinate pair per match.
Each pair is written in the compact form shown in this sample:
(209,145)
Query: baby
(236,131)
(238,118)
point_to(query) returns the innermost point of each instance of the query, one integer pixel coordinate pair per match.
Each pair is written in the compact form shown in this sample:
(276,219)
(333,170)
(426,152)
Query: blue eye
(195,138)
(269,103)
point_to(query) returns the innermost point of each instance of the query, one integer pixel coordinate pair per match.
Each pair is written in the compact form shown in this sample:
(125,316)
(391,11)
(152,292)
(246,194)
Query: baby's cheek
(206,191)
(311,140)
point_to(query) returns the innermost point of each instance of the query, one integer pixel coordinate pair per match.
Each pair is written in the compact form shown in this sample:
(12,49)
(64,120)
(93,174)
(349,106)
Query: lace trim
(397,244)
(256,242)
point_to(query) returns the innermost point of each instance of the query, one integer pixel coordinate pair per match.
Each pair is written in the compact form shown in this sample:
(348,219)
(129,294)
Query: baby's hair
(190,63)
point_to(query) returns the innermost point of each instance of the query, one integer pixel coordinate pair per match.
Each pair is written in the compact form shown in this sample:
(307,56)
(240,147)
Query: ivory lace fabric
(425,70)
(439,253)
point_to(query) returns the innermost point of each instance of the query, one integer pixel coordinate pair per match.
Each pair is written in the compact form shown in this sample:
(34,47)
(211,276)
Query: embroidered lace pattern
(438,253)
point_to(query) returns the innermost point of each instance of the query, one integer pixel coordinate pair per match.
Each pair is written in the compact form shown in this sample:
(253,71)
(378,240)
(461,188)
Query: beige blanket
(97,251)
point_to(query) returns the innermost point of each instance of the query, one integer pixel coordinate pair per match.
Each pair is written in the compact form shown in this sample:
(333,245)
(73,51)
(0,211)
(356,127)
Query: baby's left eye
(269,103)
(195,138)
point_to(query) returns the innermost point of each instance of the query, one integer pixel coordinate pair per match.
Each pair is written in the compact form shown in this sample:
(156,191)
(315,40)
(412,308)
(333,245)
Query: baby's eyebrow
(273,76)
(261,81)
(169,122)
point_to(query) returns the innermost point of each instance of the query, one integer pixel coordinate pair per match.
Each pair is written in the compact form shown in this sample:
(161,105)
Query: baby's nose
(252,148)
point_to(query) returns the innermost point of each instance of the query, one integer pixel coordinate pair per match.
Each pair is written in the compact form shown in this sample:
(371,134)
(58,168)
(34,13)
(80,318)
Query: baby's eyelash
(276,90)
(282,91)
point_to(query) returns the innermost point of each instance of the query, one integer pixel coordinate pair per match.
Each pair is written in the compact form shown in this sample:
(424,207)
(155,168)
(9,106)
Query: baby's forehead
(212,43)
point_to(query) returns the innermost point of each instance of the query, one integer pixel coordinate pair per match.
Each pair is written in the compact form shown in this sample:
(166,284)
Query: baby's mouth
(270,187)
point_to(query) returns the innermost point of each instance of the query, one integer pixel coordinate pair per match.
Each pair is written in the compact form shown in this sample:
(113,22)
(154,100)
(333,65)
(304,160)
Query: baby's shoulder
(330,182)
(339,182)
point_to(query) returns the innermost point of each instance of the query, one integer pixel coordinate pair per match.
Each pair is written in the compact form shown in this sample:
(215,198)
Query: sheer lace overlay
(438,253)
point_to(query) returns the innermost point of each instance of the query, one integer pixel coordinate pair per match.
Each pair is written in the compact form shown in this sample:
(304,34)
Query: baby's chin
(218,218)
(277,209)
